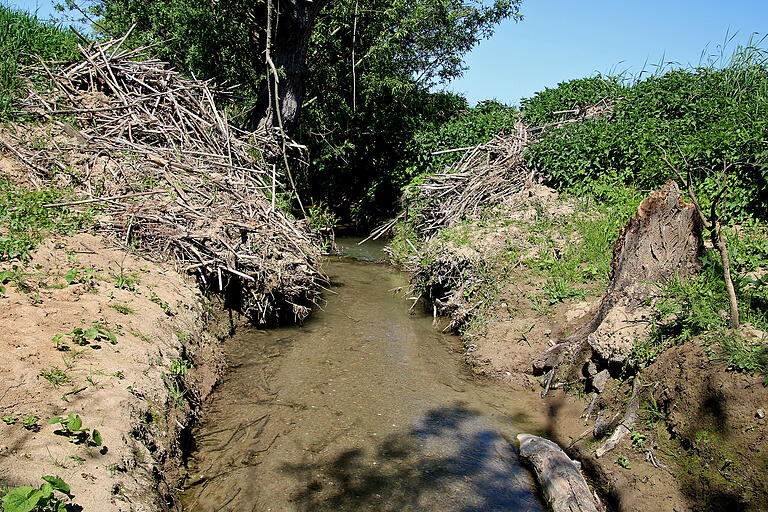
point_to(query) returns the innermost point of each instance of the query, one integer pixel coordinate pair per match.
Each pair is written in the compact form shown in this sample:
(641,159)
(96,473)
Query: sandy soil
(121,388)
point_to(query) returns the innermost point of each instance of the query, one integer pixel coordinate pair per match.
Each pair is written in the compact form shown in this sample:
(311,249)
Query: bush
(700,117)
(580,93)
(22,38)
(468,127)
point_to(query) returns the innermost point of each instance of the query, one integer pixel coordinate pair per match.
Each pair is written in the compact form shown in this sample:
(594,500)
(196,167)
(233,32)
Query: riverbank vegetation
(527,269)
(507,217)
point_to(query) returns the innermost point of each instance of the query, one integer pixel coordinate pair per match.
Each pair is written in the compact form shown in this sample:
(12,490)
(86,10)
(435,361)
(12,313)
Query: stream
(366,407)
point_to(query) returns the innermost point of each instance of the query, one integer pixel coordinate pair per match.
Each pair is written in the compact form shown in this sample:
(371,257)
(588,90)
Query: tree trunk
(290,27)
(662,241)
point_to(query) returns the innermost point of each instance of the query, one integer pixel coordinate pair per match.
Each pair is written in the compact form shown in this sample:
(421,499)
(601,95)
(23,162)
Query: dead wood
(560,478)
(626,423)
(662,241)
(168,174)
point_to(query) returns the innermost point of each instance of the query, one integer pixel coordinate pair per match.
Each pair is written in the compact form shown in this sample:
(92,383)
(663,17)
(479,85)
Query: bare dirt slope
(136,390)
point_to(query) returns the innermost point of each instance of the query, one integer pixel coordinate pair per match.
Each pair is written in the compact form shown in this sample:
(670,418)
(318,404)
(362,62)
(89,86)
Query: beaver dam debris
(486,175)
(172,176)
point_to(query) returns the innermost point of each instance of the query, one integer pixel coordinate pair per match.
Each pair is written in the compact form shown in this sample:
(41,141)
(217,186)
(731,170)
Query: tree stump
(663,240)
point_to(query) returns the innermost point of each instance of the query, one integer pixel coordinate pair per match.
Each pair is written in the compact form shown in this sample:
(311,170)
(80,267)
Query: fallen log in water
(560,478)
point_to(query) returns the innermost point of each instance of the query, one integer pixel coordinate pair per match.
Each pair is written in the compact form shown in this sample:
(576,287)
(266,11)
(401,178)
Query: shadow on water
(449,461)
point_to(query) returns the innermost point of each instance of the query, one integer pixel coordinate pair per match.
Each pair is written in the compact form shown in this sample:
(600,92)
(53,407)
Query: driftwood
(662,241)
(169,174)
(560,478)
(484,176)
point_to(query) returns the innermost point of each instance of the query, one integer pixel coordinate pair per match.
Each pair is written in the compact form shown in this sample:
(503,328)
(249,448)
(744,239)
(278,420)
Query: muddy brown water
(366,407)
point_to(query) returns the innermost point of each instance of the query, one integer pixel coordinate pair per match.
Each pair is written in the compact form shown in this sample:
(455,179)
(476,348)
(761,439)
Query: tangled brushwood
(486,175)
(170,175)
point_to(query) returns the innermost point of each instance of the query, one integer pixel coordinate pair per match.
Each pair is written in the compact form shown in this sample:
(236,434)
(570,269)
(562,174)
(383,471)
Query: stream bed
(365,407)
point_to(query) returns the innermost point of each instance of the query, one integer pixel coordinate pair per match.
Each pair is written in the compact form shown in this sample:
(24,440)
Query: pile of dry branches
(483,177)
(171,176)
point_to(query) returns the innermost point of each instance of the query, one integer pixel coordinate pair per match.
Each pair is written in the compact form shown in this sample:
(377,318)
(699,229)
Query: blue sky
(563,39)
(560,39)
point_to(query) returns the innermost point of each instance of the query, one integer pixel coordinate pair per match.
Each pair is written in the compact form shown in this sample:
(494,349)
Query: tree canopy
(369,68)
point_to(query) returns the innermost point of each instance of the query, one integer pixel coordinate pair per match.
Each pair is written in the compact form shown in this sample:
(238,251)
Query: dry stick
(627,422)
(21,157)
(456,150)
(100,199)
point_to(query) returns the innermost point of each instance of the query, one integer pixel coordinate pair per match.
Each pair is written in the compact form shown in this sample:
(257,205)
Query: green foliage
(742,355)
(362,124)
(30,422)
(572,95)
(179,367)
(321,217)
(72,428)
(123,309)
(622,461)
(22,37)
(701,117)
(697,307)
(98,331)
(24,221)
(37,499)
(558,290)
(126,280)
(160,302)
(55,376)
(466,128)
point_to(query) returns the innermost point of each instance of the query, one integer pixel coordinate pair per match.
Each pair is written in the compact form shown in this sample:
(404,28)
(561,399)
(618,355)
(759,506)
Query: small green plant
(71,276)
(30,422)
(176,389)
(321,217)
(160,302)
(638,439)
(125,280)
(558,290)
(97,332)
(38,499)
(55,376)
(59,342)
(179,367)
(123,309)
(72,427)
(10,419)
(623,462)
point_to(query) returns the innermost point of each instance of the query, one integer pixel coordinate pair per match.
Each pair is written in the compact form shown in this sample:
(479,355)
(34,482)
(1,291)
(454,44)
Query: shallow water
(364,408)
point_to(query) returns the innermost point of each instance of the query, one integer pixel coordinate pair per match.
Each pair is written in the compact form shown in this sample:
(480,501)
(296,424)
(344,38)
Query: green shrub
(22,38)
(468,127)
(697,307)
(37,499)
(574,94)
(701,117)
(24,221)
